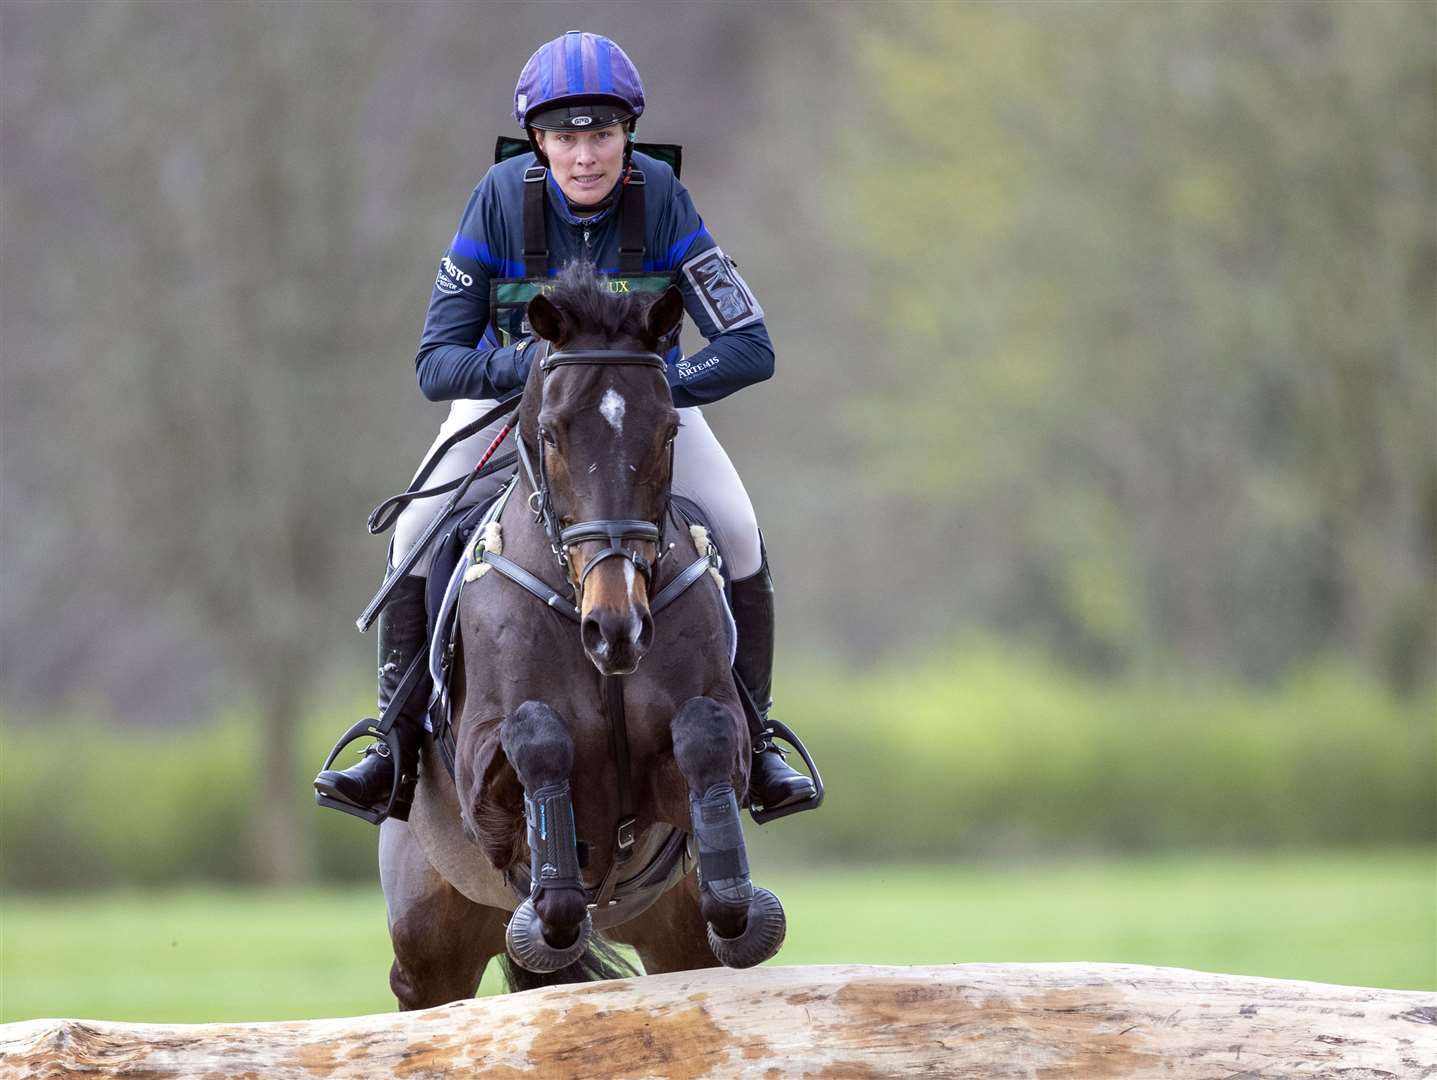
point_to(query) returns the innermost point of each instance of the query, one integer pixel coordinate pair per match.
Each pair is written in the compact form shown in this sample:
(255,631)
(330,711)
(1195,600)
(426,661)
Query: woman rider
(582,192)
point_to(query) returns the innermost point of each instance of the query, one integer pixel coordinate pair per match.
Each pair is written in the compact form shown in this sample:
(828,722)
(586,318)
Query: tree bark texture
(855,1021)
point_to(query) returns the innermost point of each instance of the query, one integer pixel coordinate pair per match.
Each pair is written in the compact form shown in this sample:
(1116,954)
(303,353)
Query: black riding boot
(772,783)
(403,634)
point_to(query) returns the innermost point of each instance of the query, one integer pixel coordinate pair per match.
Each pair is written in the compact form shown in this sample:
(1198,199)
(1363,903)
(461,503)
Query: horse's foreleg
(745,925)
(442,940)
(551,929)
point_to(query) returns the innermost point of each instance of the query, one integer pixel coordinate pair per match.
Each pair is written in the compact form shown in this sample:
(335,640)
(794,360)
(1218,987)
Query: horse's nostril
(617,637)
(593,637)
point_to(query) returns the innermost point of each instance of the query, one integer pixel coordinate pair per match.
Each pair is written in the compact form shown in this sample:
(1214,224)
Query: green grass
(1364,918)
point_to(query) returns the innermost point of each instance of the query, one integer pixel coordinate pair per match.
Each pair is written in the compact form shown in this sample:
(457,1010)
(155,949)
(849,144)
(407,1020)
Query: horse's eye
(547,437)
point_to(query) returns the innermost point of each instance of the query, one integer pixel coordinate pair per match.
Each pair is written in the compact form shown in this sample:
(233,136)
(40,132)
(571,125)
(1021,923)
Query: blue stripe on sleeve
(480,253)
(677,251)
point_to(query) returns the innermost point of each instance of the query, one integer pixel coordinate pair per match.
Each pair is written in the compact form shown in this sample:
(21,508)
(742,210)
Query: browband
(600,356)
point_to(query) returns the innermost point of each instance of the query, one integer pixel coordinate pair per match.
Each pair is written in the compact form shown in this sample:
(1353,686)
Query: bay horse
(601,752)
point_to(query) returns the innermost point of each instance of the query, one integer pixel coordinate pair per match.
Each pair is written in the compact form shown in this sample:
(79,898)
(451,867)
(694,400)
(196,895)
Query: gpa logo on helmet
(581,121)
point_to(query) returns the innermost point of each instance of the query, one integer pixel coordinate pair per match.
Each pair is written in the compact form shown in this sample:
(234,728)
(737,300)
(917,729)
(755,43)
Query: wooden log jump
(965,1020)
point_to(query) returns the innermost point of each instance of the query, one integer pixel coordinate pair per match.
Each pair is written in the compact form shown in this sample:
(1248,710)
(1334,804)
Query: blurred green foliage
(1153,284)
(971,753)
(1103,329)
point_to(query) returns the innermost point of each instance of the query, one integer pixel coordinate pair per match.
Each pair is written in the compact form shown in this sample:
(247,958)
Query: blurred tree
(1167,368)
(221,228)
(1110,325)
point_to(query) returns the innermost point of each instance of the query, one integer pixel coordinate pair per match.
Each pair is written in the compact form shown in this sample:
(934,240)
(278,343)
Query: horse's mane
(582,294)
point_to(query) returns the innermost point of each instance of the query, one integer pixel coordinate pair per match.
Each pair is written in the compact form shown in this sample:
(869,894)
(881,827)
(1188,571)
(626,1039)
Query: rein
(386,513)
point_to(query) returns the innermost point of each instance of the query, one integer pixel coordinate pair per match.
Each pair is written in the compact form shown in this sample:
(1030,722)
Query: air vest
(509,297)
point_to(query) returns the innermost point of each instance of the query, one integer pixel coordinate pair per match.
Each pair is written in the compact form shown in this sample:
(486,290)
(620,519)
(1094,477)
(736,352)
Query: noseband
(616,532)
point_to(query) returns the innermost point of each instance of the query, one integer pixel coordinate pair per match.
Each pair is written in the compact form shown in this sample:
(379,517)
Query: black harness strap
(536,241)
(397,503)
(379,521)
(624,830)
(619,743)
(531,583)
(371,612)
(632,222)
(676,588)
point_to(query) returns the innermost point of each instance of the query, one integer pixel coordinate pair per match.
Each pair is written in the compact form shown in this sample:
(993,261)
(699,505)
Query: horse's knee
(704,743)
(537,744)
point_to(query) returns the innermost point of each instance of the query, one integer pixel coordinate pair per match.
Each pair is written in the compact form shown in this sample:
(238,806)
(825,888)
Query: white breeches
(702,472)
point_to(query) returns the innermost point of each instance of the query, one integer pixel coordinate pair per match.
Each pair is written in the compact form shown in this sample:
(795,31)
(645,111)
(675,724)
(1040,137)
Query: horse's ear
(664,314)
(546,320)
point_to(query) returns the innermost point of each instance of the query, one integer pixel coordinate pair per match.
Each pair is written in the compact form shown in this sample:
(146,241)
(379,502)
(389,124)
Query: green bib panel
(509,297)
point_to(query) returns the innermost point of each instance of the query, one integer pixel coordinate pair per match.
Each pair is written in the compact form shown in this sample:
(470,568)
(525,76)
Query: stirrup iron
(388,748)
(777,729)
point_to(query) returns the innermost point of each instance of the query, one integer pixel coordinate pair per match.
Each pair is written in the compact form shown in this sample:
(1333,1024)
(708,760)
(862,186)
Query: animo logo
(458,275)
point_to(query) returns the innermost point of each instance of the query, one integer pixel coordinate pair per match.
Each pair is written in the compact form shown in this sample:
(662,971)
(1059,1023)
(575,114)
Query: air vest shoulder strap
(536,242)
(632,223)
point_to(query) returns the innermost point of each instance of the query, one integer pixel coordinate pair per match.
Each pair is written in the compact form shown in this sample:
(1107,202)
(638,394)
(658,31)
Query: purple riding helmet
(577,81)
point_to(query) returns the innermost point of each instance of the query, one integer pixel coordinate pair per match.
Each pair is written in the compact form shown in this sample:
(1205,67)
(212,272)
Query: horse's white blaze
(611,407)
(636,625)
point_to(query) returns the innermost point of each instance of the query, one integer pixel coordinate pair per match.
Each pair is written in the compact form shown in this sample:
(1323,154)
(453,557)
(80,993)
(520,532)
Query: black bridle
(617,533)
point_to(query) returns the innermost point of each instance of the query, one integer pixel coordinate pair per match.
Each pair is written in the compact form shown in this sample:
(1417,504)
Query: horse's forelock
(583,296)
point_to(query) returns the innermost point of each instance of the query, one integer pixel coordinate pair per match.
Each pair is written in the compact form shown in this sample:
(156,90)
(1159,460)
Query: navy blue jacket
(459,354)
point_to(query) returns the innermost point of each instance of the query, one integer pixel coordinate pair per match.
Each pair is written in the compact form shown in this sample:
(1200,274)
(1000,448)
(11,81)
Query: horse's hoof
(531,950)
(760,939)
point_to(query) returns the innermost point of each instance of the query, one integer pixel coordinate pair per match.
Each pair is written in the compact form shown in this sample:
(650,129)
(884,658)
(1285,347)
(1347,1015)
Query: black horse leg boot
(773,783)
(403,634)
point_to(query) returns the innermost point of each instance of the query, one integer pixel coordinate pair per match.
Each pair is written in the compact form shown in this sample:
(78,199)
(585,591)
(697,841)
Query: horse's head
(600,422)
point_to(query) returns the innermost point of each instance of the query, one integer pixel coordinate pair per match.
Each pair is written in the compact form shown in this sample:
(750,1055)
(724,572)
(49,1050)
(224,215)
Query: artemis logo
(687,368)
(456,274)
